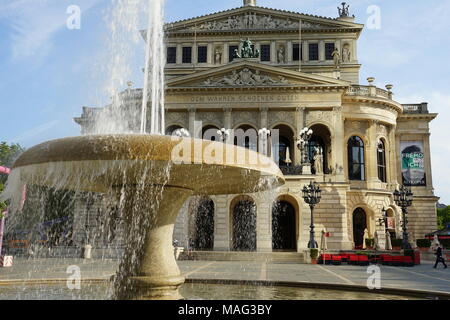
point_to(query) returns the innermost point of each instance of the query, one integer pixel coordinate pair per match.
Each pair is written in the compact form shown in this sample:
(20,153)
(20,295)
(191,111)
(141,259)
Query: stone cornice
(390,104)
(278,88)
(417,116)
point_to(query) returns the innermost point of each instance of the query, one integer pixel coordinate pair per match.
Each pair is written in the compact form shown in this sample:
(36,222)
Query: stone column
(179,54)
(227,118)
(195,54)
(321,51)
(221,224)
(225,55)
(338,145)
(371,153)
(289,49)
(263,225)
(192,128)
(305,48)
(392,160)
(300,123)
(273,52)
(427,154)
(210,56)
(263,117)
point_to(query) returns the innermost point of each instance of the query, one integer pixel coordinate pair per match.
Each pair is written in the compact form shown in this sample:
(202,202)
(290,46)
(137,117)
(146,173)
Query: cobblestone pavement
(422,277)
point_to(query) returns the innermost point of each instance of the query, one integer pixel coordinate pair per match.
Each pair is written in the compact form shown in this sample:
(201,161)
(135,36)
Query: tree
(8,154)
(443,217)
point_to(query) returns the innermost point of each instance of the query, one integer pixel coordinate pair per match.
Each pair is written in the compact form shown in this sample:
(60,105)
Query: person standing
(439,257)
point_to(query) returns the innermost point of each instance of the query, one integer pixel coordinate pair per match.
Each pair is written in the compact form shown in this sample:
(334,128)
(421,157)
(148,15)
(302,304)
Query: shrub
(423,243)
(370,242)
(314,253)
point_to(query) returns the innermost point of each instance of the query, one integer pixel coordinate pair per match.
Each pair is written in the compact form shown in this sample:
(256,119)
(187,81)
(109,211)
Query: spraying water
(154,70)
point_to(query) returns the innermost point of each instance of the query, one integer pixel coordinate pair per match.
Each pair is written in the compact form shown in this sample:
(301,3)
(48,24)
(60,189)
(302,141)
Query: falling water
(154,70)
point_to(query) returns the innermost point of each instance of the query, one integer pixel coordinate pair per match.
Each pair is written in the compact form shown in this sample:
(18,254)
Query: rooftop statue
(247,50)
(344,11)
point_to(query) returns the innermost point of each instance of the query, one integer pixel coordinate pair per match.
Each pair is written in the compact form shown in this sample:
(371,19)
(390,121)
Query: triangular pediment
(248,73)
(258,18)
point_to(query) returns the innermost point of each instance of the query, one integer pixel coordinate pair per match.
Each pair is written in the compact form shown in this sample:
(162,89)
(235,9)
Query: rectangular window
(265,52)
(329,48)
(297,52)
(172,55)
(313,51)
(187,55)
(202,54)
(231,50)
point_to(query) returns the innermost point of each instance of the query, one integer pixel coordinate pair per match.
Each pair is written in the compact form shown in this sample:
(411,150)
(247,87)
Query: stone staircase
(272,257)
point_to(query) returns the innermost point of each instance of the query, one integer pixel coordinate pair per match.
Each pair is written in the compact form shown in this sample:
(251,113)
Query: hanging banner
(413,164)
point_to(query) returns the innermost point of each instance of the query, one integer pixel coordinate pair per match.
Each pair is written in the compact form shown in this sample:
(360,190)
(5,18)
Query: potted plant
(314,254)
(370,243)
(396,244)
(424,244)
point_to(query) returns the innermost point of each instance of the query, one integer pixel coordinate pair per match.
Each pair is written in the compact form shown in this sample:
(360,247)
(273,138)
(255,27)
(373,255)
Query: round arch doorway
(359,225)
(204,222)
(283,227)
(244,226)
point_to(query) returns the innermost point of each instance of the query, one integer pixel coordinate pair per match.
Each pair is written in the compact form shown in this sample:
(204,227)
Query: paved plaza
(422,277)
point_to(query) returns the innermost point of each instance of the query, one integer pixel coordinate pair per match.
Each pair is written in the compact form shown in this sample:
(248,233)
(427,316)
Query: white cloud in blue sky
(47,72)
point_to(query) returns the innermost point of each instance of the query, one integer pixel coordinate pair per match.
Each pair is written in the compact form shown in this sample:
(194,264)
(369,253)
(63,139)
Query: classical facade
(256,68)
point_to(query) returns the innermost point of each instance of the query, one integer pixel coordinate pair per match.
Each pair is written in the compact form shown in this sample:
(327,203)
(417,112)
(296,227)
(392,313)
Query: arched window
(356,166)
(381,160)
(246,136)
(282,147)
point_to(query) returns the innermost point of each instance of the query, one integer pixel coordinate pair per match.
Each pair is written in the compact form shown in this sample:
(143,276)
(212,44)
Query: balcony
(369,91)
(418,108)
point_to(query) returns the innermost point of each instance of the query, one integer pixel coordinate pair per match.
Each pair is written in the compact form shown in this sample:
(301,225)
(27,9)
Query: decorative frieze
(253,20)
(245,77)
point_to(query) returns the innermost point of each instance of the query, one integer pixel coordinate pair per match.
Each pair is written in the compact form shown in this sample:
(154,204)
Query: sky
(49,69)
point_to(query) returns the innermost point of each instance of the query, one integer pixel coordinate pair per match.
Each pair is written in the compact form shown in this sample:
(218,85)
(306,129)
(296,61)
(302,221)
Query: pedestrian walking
(439,257)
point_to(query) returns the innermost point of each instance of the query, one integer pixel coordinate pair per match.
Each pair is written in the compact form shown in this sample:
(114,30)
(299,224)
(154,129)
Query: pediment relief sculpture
(246,77)
(254,21)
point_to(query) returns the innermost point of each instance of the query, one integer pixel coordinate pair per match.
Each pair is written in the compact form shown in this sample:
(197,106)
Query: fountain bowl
(152,176)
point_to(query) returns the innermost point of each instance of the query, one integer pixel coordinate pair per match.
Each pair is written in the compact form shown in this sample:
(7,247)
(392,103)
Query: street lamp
(302,143)
(223,134)
(404,198)
(312,195)
(383,220)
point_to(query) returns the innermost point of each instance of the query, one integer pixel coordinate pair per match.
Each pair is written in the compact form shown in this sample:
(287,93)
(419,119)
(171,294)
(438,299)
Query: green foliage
(370,242)
(423,243)
(2,203)
(314,253)
(443,217)
(9,153)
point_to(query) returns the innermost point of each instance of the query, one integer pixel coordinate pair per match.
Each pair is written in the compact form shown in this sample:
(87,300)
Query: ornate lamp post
(224,134)
(312,195)
(302,143)
(404,198)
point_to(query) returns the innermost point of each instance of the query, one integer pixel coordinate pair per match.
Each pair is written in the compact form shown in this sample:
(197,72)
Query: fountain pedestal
(156,276)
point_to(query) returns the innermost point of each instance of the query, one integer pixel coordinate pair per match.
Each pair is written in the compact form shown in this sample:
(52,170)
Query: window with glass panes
(172,55)
(313,51)
(231,50)
(187,55)
(329,48)
(265,52)
(356,163)
(297,52)
(381,159)
(202,54)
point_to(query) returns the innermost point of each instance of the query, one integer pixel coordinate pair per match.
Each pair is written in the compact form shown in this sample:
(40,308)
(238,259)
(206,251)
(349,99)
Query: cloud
(34,24)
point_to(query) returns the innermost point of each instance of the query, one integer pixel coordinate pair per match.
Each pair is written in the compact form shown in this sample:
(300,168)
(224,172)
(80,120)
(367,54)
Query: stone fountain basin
(99,162)
(136,167)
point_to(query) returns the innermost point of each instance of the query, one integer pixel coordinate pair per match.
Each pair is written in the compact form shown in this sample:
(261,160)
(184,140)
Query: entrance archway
(244,226)
(204,224)
(359,225)
(283,226)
